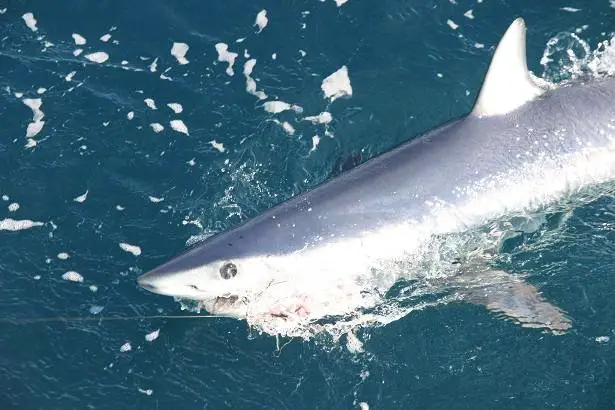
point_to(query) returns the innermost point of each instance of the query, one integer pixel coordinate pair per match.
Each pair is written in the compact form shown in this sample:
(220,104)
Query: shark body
(339,248)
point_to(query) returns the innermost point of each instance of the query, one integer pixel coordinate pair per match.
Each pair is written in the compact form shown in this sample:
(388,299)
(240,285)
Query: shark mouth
(232,306)
(257,312)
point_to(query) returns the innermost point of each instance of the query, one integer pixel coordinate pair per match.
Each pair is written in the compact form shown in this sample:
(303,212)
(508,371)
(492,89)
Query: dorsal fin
(508,83)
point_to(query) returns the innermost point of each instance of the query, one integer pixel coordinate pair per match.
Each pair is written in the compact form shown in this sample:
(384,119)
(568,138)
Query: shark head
(276,270)
(221,274)
(260,271)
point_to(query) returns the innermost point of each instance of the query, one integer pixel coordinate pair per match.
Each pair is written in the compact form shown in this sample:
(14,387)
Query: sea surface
(101,180)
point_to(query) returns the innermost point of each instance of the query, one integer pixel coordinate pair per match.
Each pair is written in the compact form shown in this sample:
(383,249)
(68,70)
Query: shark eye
(228,270)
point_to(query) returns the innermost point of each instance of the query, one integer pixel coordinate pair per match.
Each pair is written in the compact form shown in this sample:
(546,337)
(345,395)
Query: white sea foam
(337,85)
(250,82)
(81,198)
(73,276)
(179,51)
(96,309)
(37,124)
(452,24)
(157,127)
(97,57)
(261,20)
(179,126)
(150,103)
(176,107)
(276,107)
(322,118)
(150,337)
(30,21)
(34,128)
(315,142)
(79,39)
(217,145)
(134,249)
(9,224)
(286,126)
(30,143)
(35,105)
(226,56)
(154,65)
(353,344)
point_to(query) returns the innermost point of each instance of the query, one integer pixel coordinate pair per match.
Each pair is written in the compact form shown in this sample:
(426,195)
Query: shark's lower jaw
(232,306)
(273,316)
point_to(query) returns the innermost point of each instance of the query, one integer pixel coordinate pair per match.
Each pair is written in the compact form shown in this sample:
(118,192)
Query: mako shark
(336,250)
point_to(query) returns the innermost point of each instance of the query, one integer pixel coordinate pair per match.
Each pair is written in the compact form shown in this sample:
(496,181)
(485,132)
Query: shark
(418,220)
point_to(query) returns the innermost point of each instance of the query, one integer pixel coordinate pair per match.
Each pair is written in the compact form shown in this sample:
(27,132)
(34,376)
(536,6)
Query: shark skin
(337,249)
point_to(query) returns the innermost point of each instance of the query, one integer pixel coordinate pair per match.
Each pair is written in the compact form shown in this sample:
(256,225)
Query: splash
(567,56)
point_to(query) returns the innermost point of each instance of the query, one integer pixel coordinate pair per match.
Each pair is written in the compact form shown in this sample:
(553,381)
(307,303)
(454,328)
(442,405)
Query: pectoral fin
(512,297)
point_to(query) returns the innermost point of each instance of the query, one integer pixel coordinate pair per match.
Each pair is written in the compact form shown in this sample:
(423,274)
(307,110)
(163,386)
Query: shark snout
(171,280)
(146,282)
(153,282)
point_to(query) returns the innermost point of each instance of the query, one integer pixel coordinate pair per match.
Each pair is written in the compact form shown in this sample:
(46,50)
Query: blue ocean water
(96,179)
